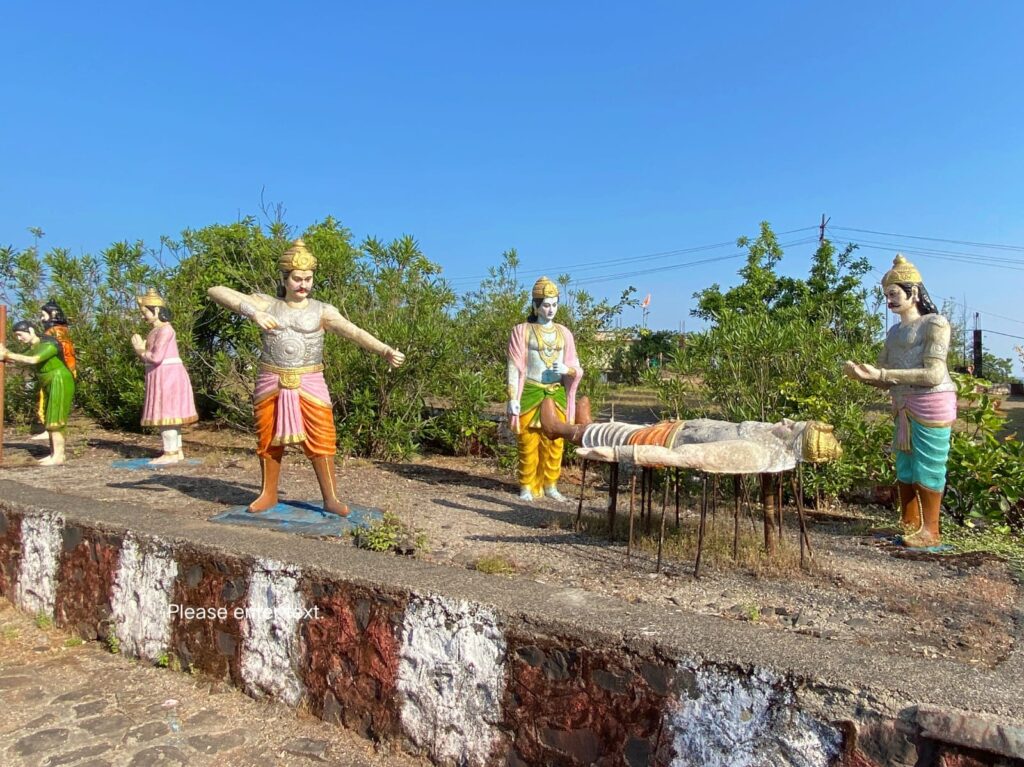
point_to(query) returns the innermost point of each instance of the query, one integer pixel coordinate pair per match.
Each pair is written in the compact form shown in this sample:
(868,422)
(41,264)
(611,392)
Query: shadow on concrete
(123,448)
(202,488)
(35,450)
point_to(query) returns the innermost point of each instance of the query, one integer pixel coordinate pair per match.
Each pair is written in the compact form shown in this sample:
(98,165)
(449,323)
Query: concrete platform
(477,670)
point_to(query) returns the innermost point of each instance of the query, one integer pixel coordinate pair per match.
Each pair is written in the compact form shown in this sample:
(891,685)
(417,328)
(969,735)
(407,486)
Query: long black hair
(925,305)
(24,326)
(55,314)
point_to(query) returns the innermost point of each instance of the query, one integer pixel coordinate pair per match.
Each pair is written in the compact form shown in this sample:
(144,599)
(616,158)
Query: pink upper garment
(169,399)
(517,353)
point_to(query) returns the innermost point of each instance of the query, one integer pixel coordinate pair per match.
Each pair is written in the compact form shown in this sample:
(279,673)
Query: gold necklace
(548,349)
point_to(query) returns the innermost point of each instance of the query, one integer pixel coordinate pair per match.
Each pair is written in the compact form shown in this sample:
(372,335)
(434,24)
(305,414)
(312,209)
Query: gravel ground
(858,589)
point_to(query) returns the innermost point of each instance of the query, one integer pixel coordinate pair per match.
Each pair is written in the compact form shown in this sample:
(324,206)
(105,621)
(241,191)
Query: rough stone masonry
(474,670)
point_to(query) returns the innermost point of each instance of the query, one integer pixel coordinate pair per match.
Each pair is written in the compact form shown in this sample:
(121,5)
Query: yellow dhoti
(540,458)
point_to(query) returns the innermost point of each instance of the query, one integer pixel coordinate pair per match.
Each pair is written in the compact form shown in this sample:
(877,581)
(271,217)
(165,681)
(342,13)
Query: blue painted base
(303,517)
(138,464)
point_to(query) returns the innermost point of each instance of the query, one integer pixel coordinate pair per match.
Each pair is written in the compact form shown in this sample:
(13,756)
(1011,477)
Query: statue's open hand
(265,320)
(138,344)
(861,371)
(394,357)
(560,368)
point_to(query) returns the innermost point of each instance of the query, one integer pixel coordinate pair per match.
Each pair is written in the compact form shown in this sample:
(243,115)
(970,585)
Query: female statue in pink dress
(169,402)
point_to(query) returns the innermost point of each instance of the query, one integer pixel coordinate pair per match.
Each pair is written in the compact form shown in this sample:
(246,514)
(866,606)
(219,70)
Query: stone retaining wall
(466,669)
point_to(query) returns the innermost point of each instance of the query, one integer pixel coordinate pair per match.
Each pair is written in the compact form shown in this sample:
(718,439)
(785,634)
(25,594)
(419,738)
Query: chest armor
(906,346)
(298,339)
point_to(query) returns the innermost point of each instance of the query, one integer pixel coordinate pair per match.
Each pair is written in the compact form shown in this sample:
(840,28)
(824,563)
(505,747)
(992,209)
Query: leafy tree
(775,348)
(656,348)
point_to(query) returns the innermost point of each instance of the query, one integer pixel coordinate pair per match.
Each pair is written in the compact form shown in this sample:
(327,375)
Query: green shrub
(985,473)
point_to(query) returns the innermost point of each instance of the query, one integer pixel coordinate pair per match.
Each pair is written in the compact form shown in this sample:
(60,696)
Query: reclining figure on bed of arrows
(702,444)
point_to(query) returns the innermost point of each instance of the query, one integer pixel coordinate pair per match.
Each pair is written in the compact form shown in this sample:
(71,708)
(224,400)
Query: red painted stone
(85,580)
(955,758)
(566,704)
(10,552)
(211,643)
(350,657)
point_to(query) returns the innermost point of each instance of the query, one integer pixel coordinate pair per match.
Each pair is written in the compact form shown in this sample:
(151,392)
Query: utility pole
(821,229)
(979,372)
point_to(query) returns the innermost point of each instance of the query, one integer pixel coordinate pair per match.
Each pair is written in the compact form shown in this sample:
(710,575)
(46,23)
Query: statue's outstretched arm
(252,306)
(335,323)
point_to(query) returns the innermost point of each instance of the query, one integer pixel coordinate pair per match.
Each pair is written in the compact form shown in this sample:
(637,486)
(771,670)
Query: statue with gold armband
(291,402)
(912,367)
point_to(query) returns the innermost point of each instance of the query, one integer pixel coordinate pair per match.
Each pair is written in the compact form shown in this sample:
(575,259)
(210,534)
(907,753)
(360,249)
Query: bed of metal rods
(772,483)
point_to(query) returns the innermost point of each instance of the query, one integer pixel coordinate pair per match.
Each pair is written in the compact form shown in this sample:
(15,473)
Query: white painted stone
(270,632)
(36,588)
(141,598)
(451,676)
(747,721)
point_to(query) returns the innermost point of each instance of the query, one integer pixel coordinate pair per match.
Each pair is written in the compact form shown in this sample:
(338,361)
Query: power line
(592,265)
(997,246)
(672,267)
(997,333)
(962,258)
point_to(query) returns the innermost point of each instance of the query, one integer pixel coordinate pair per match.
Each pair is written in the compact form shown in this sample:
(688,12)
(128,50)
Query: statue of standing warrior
(703,444)
(291,402)
(912,367)
(542,366)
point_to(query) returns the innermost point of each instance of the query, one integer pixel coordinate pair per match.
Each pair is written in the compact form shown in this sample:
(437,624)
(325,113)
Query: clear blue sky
(578,133)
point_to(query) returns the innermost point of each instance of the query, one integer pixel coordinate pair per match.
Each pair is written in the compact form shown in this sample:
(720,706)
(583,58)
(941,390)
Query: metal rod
(583,485)
(736,518)
(661,535)
(700,526)
(632,504)
(613,498)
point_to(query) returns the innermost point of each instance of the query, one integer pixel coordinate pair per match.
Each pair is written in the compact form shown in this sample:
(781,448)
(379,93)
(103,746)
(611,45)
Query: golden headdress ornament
(820,443)
(151,299)
(297,257)
(544,288)
(902,271)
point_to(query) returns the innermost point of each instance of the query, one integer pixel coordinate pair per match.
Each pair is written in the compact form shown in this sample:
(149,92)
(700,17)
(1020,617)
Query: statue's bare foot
(525,494)
(554,495)
(334,506)
(41,436)
(166,458)
(50,460)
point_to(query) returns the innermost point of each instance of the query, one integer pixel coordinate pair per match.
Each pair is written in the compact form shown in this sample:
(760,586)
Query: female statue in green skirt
(55,382)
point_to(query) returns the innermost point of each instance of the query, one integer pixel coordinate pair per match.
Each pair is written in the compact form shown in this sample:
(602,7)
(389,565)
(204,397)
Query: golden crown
(297,257)
(820,443)
(902,271)
(544,288)
(151,299)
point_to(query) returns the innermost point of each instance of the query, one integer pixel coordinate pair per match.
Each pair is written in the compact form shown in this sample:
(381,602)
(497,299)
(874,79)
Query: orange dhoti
(293,407)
